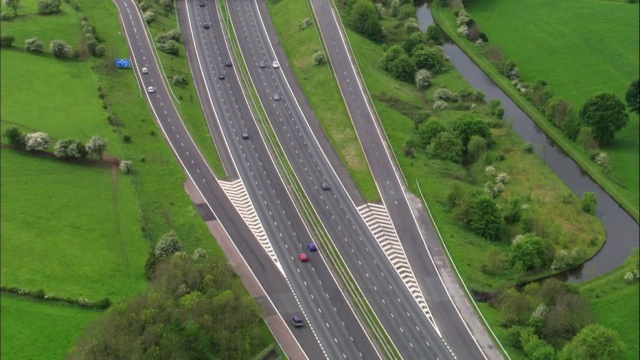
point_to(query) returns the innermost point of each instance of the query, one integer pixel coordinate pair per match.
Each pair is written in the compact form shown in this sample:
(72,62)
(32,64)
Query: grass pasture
(40,330)
(611,291)
(321,89)
(70,229)
(580,48)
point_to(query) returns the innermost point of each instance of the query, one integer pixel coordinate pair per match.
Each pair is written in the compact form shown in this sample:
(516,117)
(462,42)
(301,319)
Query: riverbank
(624,196)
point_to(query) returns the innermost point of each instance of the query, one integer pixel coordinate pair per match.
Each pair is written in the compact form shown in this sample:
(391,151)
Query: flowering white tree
(167,245)
(37,141)
(440,105)
(502,178)
(62,149)
(423,79)
(126,166)
(96,145)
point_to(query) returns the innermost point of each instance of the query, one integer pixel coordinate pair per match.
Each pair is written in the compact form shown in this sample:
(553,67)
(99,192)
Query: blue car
(313,247)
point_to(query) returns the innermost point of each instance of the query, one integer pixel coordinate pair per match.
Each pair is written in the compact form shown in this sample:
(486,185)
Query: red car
(303,257)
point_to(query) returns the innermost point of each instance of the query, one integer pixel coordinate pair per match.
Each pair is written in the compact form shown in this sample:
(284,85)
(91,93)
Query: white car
(151,89)
(275,64)
(145,70)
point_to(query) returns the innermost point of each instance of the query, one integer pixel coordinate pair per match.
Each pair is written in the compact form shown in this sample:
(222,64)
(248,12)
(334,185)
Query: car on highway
(277,97)
(312,247)
(303,257)
(228,63)
(245,135)
(297,321)
(144,70)
(275,64)
(221,76)
(206,26)
(262,64)
(325,186)
(202,4)
(151,89)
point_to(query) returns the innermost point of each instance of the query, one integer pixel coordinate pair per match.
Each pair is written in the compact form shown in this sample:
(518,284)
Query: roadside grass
(321,89)
(40,330)
(530,177)
(70,229)
(622,181)
(188,102)
(610,292)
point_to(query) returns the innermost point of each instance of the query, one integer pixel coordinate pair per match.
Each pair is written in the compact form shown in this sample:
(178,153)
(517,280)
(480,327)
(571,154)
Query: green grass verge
(321,89)
(40,330)
(624,193)
(616,304)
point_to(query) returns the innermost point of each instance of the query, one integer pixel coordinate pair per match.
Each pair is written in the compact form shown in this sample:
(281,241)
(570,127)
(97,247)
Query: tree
(364,19)
(594,342)
(413,42)
(318,58)
(589,203)
(403,68)
(432,59)
(14,137)
(14,4)
(407,11)
(167,245)
(423,79)
(37,141)
(633,96)
(170,47)
(516,308)
(605,114)
(468,125)
(527,252)
(34,45)
(566,318)
(62,148)
(390,56)
(446,146)
(7,40)
(476,147)
(433,34)
(60,49)
(96,146)
(486,218)
(421,117)
(49,7)
(429,130)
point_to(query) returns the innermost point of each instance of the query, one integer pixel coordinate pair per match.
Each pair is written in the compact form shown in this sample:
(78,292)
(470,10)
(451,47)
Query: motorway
(314,288)
(409,322)
(327,311)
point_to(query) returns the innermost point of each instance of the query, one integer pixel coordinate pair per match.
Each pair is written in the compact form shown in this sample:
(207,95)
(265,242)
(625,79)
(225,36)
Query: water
(621,229)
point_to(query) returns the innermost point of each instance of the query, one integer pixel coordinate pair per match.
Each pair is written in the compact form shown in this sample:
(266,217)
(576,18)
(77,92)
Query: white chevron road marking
(237,193)
(377,219)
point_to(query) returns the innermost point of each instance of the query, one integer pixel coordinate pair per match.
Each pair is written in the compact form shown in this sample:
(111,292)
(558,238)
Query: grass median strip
(303,202)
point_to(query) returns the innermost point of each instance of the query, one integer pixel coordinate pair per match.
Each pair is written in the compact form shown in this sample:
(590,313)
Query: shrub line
(40,295)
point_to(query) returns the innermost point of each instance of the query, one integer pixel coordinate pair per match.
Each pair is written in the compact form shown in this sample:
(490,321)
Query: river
(621,229)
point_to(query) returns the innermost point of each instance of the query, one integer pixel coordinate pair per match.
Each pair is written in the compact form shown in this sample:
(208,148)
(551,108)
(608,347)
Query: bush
(476,146)
(49,7)
(179,80)
(149,16)
(432,59)
(126,138)
(407,11)
(34,45)
(527,252)
(305,23)
(411,26)
(14,137)
(602,159)
(175,35)
(485,217)
(319,58)
(37,141)
(403,69)
(169,47)
(126,166)
(589,203)
(167,245)
(446,146)
(528,147)
(60,49)
(7,40)
(446,95)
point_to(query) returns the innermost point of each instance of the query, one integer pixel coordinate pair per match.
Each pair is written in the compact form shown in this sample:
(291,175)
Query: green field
(610,292)
(38,330)
(70,229)
(578,47)
(322,90)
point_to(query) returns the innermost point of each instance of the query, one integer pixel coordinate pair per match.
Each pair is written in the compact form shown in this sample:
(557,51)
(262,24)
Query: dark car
(206,26)
(325,186)
(262,64)
(228,63)
(313,247)
(297,321)
(245,135)
(221,76)
(202,3)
